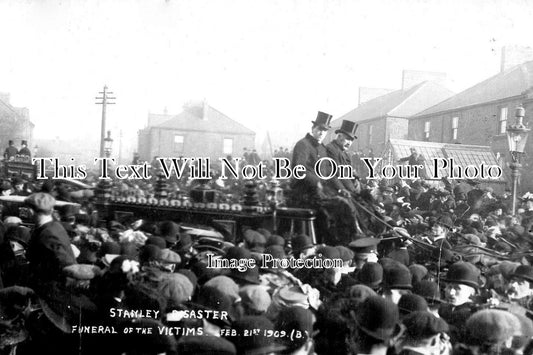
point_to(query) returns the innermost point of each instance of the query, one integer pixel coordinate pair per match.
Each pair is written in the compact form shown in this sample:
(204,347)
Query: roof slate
(215,122)
(509,83)
(399,103)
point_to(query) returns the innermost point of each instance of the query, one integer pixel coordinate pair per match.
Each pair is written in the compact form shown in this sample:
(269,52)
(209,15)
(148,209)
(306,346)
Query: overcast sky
(267,64)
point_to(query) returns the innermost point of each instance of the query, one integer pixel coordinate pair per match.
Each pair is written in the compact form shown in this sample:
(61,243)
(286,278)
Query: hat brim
(321,125)
(383,334)
(349,135)
(463,282)
(523,277)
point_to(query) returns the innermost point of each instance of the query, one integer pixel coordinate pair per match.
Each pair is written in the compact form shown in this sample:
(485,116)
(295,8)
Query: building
(199,131)
(387,116)
(15,123)
(480,114)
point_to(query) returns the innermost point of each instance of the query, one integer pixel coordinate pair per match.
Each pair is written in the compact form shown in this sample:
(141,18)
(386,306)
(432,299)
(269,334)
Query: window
(427,126)
(370,132)
(228,146)
(502,126)
(455,125)
(178,143)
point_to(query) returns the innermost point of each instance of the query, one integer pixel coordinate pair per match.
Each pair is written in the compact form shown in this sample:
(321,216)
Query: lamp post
(108,144)
(517,134)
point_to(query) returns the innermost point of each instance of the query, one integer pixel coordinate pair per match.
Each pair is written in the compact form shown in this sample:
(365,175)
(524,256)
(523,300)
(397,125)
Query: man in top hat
(308,191)
(336,150)
(24,149)
(11,151)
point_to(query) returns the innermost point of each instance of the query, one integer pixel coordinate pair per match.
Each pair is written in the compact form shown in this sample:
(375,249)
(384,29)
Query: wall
(196,144)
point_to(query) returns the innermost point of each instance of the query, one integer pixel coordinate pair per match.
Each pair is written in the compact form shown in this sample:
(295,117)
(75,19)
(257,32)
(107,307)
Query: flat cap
(364,245)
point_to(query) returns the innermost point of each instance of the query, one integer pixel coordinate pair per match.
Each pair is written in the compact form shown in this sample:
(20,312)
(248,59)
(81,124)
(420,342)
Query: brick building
(15,123)
(480,114)
(387,115)
(198,131)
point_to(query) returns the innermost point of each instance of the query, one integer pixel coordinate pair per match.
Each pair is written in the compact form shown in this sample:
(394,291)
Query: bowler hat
(371,275)
(295,319)
(463,273)
(300,243)
(523,272)
(397,276)
(322,120)
(422,325)
(410,303)
(24,142)
(377,317)
(169,231)
(348,128)
(429,290)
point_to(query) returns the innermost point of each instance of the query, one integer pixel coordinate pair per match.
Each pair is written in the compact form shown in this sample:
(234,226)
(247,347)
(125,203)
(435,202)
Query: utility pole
(105,101)
(120,148)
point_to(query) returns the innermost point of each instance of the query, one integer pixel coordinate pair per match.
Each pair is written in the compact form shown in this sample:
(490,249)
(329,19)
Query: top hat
(348,128)
(24,142)
(323,120)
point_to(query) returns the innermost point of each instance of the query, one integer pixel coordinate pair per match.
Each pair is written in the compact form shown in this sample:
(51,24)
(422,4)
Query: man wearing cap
(462,281)
(308,191)
(336,150)
(49,250)
(365,250)
(11,151)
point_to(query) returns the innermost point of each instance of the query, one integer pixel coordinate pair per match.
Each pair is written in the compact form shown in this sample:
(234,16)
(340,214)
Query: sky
(268,64)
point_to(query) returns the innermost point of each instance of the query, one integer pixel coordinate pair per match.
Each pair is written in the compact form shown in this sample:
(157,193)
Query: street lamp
(108,144)
(517,134)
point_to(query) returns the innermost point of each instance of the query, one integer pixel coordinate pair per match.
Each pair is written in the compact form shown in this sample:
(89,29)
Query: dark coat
(306,152)
(49,251)
(335,152)
(10,152)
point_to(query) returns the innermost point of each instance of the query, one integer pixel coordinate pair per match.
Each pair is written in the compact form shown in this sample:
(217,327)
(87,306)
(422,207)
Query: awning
(463,155)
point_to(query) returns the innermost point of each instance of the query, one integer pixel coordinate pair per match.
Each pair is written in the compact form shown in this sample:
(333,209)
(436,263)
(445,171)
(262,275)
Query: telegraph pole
(105,101)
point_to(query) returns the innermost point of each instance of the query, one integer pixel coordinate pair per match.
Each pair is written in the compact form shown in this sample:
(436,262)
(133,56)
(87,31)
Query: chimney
(5,96)
(411,78)
(515,55)
(367,94)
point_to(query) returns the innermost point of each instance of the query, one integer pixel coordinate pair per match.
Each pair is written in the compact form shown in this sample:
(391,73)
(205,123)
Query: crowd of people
(428,268)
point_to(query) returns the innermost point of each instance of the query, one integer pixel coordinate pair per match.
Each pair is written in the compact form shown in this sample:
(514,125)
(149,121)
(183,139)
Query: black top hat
(24,143)
(322,120)
(348,128)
